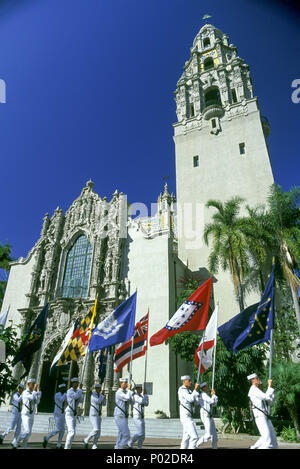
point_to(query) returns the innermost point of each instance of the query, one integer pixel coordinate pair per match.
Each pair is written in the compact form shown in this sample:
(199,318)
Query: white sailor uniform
(122,399)
(139,402)
(97,401)
(73,399)
(206,403)
(259,404)
(15,421)
(186,400)
(30,400)
(60,400)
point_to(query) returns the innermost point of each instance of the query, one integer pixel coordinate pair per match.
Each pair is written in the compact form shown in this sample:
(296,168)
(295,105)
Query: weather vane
(206,16)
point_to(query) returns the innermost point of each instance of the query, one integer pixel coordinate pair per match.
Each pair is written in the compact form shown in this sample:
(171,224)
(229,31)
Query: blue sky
(90,88)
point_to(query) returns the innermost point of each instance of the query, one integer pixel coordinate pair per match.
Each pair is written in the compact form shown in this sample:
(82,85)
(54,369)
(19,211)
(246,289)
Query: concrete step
(155,428)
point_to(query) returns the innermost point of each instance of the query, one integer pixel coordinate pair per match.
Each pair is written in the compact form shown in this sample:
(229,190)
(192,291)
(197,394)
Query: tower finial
(205,17)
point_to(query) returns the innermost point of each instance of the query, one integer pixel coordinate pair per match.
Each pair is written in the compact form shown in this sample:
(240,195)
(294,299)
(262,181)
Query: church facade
(97,249)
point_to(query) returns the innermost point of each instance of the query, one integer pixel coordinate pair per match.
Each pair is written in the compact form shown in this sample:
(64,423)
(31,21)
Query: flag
(123,352)
(85,328)
(191,316)
(253,325)
(32,341)
(102,360)
(64,344)
(209,339)
(3,318)
(116,328)
(76,347)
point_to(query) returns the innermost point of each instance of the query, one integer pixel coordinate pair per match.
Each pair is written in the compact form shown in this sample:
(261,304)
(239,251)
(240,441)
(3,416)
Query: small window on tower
(242,148)
(234,96)
(206,42)
(196,161)
(192,110)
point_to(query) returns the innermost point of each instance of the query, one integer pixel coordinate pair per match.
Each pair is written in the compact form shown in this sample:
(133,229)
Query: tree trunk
(296,305)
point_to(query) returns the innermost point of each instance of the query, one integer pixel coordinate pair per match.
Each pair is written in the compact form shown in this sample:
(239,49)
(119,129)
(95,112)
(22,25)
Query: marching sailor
(206,403)
(97,401)
(60,400)
(30,398)
(123,398)
(260,402)
(15,422)
(139,402)
(74,397)
(186,400)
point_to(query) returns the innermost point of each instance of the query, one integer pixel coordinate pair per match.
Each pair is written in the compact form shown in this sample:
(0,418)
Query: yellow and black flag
(79,341)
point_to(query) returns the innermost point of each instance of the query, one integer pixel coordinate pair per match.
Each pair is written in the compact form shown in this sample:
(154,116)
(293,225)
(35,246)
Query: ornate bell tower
(220,143)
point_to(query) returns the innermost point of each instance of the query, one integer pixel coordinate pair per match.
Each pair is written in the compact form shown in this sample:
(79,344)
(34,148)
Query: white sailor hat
(63,385)
(203,384)
(75,380)
(123,380)
(184,377)
(254,375)
(98,385)
(21,385)
(31,380)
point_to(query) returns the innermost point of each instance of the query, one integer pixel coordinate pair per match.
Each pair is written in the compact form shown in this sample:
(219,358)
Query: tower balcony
(212,109)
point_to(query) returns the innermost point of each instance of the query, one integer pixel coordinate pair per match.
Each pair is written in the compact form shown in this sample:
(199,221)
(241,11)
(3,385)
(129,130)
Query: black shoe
(1,439)
(85,445)
(45,442)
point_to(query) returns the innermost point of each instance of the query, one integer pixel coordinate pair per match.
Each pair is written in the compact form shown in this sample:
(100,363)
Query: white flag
(209,340)
(63,346)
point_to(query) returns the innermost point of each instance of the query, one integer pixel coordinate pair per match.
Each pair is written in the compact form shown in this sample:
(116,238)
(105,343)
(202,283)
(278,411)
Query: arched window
(77,270)
(208,63)
(206,42)
(212,97)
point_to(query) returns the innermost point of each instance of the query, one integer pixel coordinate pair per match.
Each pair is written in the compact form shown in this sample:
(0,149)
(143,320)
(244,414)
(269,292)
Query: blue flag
(102,360)
(32,341)
(253,325)
(116,328)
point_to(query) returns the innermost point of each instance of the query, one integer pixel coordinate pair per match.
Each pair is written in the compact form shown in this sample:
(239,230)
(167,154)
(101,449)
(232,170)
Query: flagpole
(39,374)
(271,332)
(131,354)
(146,355)
(201,355)
(215,351)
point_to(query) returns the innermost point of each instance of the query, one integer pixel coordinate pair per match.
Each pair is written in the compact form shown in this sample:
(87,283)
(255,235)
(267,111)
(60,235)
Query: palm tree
(232,238)
(283,220)
(286,375)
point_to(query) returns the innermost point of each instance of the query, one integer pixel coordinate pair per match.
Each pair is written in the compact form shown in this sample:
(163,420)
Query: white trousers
(71,429)
(140,435)
(60,422)
(27,422)
(267,433)
(123,432)
(15,423)
(95,433)
(210,432)
(190,435)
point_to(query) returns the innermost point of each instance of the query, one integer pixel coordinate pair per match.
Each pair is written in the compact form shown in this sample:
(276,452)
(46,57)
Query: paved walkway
(106,442)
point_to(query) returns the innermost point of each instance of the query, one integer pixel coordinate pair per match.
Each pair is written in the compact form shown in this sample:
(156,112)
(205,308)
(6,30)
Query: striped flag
(140,336)
(77,344)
